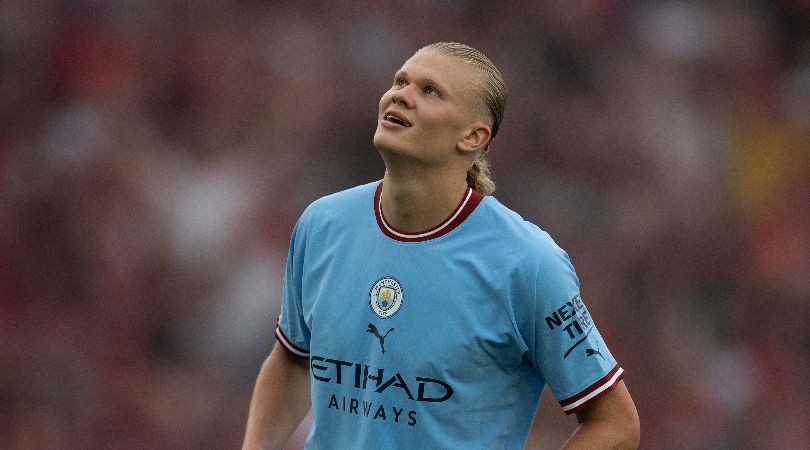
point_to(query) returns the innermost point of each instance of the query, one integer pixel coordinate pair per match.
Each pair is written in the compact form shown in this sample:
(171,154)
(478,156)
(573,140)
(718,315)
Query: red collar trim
(463,210)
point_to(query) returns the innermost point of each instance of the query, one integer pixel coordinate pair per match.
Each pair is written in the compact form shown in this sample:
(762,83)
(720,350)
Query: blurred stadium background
(155,155)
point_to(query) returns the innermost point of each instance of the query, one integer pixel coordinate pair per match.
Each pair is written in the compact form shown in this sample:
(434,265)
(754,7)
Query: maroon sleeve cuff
(287,344)
(601,387)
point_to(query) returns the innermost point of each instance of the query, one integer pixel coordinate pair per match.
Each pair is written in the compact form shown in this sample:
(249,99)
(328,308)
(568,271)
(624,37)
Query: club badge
(385,297)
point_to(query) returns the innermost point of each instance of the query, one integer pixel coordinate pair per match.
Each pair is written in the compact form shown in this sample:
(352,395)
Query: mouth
(394,118)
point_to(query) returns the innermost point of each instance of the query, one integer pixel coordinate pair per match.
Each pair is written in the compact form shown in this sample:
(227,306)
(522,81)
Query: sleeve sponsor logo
(575,321)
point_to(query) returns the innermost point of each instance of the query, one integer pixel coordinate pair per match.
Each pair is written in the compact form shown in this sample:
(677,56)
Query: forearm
(280,401)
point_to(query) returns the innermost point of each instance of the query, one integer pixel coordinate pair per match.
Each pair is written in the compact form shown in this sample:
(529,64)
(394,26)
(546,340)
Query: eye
(400,83)
(430,90)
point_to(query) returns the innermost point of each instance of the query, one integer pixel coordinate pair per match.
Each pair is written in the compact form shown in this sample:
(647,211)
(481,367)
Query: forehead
(451,74)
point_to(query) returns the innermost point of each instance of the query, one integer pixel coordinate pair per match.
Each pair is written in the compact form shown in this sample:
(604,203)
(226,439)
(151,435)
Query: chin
(385,143)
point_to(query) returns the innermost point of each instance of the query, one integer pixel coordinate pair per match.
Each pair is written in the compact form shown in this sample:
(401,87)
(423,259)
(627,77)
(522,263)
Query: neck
(420,199)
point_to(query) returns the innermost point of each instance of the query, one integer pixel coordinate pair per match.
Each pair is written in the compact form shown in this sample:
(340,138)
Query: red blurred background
(155,155)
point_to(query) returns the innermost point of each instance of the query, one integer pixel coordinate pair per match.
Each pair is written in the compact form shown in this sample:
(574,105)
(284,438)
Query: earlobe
(477,137)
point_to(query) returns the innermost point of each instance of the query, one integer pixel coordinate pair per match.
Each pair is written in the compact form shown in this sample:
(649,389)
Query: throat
(419,209)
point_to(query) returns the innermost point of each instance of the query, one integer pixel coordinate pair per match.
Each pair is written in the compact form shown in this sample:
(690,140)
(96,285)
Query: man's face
(428,109)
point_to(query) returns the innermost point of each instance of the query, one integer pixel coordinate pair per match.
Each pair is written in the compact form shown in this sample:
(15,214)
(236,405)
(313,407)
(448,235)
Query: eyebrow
(425,80)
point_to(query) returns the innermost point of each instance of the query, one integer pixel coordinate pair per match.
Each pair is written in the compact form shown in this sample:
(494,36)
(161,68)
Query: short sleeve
(565,344)
(292,331)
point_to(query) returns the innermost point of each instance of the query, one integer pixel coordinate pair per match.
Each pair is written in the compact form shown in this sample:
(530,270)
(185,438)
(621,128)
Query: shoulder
(334,216)
(512,229)
(343,203)
(523,252)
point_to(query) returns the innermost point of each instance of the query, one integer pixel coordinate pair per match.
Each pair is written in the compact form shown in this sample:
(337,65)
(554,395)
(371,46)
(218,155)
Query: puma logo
(592,352)
(373,330)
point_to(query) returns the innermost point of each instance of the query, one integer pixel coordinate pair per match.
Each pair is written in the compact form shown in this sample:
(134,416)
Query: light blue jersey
(440,339)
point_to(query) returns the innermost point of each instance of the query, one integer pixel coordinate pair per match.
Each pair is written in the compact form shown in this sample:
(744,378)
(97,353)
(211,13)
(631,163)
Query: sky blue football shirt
(439,339)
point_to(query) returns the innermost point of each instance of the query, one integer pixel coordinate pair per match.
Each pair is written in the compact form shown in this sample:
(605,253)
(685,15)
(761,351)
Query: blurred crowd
(154,157)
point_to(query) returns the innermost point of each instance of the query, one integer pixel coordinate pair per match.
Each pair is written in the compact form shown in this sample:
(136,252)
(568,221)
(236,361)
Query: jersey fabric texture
(440,339)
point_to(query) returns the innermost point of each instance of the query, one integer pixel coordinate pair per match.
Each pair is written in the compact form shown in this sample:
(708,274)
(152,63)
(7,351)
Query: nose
(401,97)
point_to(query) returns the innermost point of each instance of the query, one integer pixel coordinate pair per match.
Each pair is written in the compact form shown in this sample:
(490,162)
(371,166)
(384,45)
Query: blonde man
(418,311)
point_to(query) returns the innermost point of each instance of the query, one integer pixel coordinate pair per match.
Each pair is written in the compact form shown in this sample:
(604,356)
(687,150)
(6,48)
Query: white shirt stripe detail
(288,345)
(598,391)
(422,235)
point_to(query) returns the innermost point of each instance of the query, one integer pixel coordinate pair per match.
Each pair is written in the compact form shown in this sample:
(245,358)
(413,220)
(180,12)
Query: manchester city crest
(385,297)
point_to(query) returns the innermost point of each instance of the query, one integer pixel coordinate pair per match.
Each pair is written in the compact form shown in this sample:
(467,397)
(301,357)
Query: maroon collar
(468,204)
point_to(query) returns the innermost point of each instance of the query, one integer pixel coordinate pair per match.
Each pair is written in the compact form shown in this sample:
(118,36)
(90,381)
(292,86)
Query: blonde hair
(493,94)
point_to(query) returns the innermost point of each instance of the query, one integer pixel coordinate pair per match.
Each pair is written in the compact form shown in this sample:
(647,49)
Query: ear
(477,136)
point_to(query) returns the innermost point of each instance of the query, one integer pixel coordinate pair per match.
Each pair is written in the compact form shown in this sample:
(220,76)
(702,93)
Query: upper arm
(280,400)
(293,362)
(614,411)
